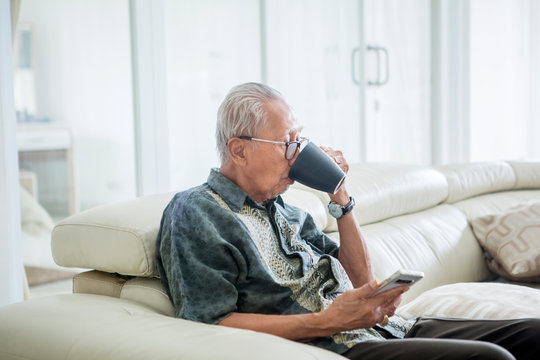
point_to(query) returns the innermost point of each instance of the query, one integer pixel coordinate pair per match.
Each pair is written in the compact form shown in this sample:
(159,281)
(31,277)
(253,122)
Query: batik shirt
(219,252)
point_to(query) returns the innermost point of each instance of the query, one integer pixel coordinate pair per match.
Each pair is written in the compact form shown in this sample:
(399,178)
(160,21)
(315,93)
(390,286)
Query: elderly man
(231,252)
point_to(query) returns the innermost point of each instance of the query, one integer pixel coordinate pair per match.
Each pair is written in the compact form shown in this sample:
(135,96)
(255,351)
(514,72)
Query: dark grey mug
(317,170)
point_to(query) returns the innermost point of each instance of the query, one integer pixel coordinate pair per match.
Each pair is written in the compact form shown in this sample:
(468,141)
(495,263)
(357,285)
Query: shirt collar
(231,193)
(279,200)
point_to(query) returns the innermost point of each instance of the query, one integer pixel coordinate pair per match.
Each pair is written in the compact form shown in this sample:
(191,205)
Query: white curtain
(15,6)
(501,76)
(535,79)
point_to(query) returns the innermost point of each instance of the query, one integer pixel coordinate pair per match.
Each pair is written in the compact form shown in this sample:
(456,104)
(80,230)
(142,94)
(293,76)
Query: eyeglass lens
(291,150)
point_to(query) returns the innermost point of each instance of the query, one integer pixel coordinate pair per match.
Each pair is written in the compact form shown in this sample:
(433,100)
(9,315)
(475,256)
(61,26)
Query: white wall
(83,81)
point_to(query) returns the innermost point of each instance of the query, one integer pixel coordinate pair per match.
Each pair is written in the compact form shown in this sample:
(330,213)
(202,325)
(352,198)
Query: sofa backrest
(408,213)
(385,190)
(120,237)
(465,181)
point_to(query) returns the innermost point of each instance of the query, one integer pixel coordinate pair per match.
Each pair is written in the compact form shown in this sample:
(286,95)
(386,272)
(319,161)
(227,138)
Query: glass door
(210,46)
(308,56)
(357,73)
(397,80)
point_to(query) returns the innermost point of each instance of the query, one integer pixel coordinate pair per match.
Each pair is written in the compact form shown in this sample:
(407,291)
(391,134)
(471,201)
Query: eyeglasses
(291,147)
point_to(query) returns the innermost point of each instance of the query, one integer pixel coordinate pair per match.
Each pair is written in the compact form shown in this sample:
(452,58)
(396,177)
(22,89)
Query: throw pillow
(512,241)
(475,301)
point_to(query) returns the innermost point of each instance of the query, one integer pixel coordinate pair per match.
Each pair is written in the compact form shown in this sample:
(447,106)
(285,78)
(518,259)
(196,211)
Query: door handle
(378,50)
(353,67)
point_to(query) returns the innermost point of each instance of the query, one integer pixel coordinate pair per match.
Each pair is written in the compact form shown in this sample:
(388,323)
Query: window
(73,96)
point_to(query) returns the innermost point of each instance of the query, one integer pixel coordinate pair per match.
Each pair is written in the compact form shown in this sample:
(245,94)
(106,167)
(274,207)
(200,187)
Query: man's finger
(387,297)
(367,290)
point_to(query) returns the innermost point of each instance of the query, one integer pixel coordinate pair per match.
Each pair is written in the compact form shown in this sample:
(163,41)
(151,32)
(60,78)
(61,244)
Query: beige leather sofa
(412,217)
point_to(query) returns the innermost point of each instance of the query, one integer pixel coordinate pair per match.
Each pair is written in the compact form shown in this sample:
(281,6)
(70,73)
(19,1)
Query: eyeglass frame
(287,144)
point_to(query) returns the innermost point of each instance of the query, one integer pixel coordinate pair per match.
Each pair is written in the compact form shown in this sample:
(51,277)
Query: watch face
(335,210)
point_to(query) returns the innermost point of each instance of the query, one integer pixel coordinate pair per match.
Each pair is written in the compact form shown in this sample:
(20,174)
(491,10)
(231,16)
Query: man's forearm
(353,253)
(293,327)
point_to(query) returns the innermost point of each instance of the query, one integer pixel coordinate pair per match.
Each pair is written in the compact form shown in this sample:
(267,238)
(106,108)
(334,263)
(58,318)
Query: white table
(40,144)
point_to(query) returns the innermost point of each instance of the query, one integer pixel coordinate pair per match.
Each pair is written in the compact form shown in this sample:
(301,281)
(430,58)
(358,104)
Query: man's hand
(341,197)
(357,308)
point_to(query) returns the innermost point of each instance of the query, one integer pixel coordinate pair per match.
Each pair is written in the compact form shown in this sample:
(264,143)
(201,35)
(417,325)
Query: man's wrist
(320,324)
(342,198)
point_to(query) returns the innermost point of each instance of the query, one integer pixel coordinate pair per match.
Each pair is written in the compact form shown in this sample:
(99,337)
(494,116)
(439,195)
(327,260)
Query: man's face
(268,168)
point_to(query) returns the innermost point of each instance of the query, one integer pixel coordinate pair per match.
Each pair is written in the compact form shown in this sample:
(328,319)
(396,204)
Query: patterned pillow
(475,301)
(512,241)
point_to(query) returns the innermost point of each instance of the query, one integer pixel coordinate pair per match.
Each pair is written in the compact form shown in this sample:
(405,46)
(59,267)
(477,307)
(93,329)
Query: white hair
(242,113)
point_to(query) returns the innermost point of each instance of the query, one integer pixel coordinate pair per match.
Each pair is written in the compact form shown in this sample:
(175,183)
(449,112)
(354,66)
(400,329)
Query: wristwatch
(339,211)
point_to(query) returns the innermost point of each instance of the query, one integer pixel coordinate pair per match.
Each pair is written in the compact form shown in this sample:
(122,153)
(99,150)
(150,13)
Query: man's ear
(237,151)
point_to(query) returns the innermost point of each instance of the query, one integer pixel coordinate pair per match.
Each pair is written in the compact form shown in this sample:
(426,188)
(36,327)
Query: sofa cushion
(82,326)
(99,283)
(512,239)
(437,241)
(116,238)
(146,291)
(468,180)
(475,301)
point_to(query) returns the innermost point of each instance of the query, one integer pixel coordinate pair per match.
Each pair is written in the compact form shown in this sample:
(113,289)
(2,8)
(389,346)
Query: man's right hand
(356,308)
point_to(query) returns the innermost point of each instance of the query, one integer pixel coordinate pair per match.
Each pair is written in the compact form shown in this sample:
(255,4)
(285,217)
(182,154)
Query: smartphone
(400,278)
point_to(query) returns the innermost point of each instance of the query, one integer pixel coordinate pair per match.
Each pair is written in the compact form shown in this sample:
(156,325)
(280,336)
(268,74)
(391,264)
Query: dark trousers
(434,338)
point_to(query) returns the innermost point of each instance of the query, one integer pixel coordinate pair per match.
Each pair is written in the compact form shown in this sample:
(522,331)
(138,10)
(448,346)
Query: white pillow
(512,239)
(475,301)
